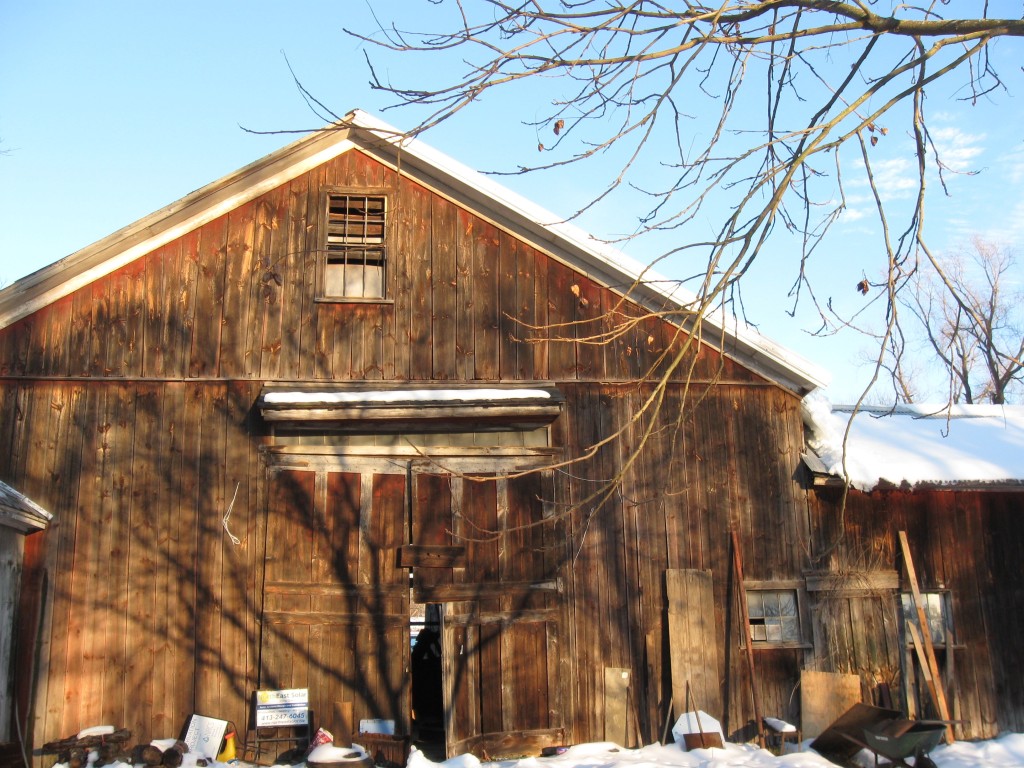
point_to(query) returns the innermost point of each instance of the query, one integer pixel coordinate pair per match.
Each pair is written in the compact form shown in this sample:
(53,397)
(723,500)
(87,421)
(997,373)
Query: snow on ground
(1004,752)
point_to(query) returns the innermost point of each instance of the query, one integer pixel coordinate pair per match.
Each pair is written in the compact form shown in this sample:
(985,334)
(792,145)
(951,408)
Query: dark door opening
(427,690)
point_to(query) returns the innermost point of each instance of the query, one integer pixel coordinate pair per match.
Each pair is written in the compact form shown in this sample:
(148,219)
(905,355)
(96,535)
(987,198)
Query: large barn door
(336,601)
(502,621)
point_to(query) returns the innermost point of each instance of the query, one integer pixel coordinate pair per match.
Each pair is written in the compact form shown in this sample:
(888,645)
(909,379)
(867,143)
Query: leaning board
(692,644)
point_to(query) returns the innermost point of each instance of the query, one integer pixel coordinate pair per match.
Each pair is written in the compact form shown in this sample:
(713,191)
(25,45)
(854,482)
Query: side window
(774,616)
(936,611)
(353,246)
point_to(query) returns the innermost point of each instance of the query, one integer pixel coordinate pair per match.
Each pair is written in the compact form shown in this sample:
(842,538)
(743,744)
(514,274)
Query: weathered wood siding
(967,543)
(127,409)
(12,545)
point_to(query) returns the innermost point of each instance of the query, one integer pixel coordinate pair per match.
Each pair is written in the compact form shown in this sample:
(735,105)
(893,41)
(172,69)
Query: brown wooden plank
(204,359)
(486,350)
(616,703)
(240,609)
(926,647)
(824,696)
(159,301)
(507,310)
(321,324)
(444,288)
(421,282)
(560,318)
(465,281)
(386,532)
(534,311)
(83,689)
(693,645)
(114,615)
(144,561)
(431,556)
(239,273)
(591,325)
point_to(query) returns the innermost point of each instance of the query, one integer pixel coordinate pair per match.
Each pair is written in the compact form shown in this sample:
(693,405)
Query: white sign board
(204,735)
(283,708)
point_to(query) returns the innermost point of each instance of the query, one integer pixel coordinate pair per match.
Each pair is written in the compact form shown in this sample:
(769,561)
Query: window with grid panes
(936,612)
(354,247)
(774,616)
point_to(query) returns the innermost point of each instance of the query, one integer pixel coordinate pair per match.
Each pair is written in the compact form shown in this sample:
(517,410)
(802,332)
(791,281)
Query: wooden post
(745,619)
(923,642)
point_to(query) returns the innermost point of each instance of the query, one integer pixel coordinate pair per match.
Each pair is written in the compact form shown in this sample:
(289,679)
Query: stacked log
(112,748)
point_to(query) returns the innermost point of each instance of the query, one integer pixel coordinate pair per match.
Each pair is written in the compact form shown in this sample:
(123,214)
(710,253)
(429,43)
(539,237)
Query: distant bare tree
(974,321)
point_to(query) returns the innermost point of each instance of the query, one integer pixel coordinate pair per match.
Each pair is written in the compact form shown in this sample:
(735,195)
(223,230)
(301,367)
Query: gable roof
(444,175)
(960,447)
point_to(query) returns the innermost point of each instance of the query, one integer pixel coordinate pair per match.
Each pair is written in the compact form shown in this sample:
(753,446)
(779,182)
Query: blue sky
(109,111)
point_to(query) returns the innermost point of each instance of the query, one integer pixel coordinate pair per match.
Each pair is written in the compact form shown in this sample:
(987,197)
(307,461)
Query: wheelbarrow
(899,739)
(884,732)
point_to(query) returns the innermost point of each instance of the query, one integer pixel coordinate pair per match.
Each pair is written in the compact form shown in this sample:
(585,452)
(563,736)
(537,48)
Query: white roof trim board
(20,512)
(448,177)
(976,447)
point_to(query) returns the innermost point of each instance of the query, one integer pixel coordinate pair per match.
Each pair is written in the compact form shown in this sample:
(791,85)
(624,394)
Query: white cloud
(957,149)
(1013,165)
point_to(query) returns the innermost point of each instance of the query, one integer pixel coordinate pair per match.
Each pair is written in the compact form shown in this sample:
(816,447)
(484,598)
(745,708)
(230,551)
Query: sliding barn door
(499,553)
(336,601)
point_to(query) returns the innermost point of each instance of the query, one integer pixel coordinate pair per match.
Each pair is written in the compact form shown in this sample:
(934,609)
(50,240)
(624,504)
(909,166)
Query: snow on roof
(19,511)
(478,395)
(976,446)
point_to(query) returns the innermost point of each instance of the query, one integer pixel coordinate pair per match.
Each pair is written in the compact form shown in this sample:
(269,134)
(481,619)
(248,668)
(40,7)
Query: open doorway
(427,690)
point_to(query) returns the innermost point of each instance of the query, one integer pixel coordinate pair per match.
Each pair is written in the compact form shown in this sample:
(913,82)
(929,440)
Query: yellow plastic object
(228,753)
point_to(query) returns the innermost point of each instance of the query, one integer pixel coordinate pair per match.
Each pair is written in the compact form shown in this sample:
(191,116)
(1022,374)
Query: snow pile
(1004,752)
(328,753)
(912,444)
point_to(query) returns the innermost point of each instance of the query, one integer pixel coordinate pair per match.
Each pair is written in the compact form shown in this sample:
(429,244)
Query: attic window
(353,246)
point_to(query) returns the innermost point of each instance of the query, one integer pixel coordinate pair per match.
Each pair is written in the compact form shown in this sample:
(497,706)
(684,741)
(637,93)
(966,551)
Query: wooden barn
(355,377)
(952,479)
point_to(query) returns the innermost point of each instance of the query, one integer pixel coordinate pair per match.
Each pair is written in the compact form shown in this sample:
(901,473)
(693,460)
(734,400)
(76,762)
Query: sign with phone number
(284,707)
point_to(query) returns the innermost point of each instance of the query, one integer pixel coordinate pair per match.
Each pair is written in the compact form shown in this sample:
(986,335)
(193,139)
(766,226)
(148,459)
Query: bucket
(703,741)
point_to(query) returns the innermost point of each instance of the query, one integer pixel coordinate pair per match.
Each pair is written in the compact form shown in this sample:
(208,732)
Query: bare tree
(825,77)
(792,96)
(974,322)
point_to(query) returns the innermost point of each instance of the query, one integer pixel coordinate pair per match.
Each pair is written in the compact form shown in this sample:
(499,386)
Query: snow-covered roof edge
(959,447)
(18,511)
(551,233)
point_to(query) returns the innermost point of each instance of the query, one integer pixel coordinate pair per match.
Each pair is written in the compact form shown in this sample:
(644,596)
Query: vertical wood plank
(465,309)
(486,302)
(444,288)
(206,332)
(240,270)
(507,310)
(692,640)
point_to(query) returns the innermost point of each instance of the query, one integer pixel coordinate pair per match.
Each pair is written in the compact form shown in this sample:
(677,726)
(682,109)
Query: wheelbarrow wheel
(923,761)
